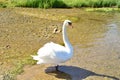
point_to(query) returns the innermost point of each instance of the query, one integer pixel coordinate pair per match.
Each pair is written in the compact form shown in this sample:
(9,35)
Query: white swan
(54,53)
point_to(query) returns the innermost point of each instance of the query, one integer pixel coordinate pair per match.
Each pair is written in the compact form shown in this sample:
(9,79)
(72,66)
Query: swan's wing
(54,46)
(50,49)
(52,53)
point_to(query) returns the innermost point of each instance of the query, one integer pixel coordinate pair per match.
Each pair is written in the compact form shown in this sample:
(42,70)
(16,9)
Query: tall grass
(39,3)
(91,3)
(118,4)
(31,3)
(63,3)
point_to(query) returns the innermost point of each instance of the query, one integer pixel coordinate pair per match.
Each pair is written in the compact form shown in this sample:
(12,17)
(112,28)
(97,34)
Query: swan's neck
(66,41)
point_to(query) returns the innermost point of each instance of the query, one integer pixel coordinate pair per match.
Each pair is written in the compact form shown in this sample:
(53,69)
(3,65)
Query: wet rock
(56,30)
(8,46)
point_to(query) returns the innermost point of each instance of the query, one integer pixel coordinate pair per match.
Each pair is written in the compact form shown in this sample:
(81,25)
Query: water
(101,57)
(97,53)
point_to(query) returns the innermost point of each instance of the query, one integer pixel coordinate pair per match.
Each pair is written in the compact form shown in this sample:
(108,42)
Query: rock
(8,46)
(56,30)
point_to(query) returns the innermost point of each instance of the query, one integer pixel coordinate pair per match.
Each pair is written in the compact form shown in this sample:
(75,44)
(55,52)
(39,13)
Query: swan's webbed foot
(57,67)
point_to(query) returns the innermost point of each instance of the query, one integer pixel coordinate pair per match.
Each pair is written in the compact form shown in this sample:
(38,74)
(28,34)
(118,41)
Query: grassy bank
(59,3)
(91,3)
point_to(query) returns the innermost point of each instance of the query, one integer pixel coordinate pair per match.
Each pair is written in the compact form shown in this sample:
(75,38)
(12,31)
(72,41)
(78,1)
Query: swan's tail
(39,61)
(35,57)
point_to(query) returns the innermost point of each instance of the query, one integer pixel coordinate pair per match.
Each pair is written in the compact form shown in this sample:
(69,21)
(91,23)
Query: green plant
(60,3)
(118,4)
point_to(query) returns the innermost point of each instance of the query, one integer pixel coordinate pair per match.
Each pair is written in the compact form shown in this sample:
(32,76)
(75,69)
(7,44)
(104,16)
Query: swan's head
(68,23)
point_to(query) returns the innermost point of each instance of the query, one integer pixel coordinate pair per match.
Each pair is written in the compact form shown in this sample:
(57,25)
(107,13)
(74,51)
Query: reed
(118,4)
(91,3)
(39,3)
(61,3)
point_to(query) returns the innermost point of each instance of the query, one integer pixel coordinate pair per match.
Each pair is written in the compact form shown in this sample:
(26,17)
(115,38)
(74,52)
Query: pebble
(56,30)
(7,46)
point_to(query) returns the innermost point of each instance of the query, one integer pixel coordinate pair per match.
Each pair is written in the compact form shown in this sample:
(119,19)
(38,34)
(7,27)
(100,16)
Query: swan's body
(54,53)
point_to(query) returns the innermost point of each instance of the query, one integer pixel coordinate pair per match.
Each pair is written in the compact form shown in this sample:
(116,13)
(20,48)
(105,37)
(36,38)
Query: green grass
(118,4)
(17,67)
(91,3)
(39,3)
(34,3)
(20,64)
(103,9)
(60,3)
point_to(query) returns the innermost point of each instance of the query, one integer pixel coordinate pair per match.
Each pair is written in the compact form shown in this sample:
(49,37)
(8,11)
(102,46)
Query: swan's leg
(57,67)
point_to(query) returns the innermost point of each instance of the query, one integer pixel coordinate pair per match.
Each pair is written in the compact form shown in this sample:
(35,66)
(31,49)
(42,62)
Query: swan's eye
(69,23)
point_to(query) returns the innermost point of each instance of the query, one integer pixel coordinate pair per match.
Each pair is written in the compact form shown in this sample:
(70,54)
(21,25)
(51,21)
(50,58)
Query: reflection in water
(77,73)
(97,47)
(112,39)
(112,35)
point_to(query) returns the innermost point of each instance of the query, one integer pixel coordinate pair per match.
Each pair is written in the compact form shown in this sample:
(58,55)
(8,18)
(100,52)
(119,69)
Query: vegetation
(17,68)
(34,3)
(91,3)
(60,3)
(103,9)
